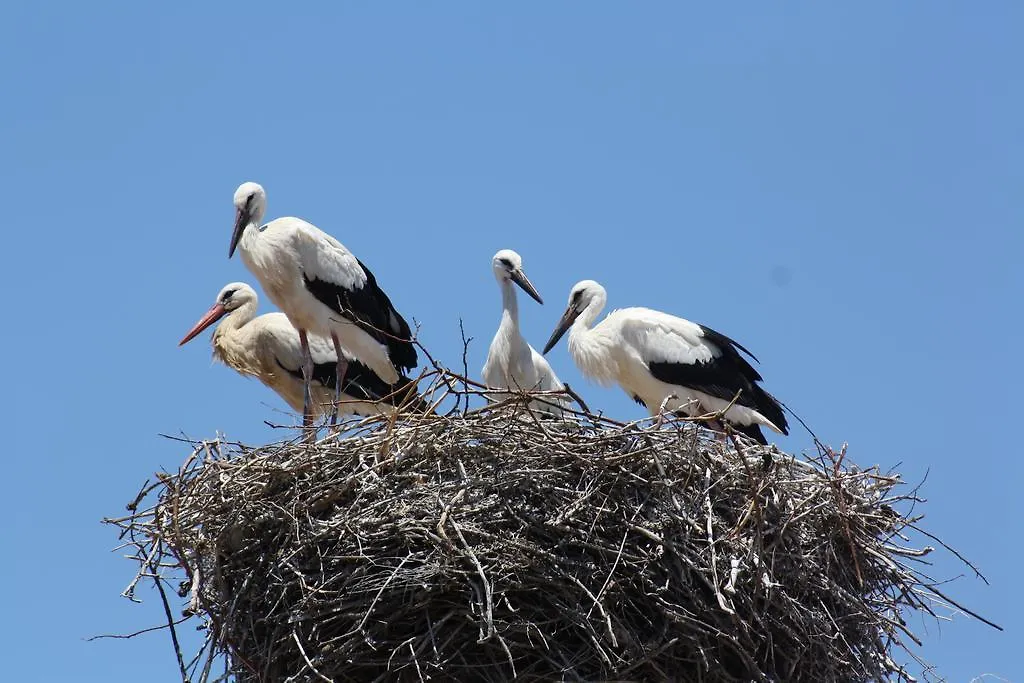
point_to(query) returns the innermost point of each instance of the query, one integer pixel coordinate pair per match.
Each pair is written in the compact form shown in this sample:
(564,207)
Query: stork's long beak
(519,277)
(241,220)
(568,318)
(211,316)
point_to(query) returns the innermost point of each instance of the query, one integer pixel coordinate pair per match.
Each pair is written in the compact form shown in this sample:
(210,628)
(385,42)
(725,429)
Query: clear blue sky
(837,188)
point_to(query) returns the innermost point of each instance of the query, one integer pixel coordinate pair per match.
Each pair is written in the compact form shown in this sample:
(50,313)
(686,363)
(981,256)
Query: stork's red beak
(212,316)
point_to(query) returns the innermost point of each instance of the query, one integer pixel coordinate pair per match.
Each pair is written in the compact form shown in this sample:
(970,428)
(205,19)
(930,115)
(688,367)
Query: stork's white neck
(509,302)
(233,322)
(249,240)
(250,233)
(586,319)
(233,344)
(591,350)
(259,208)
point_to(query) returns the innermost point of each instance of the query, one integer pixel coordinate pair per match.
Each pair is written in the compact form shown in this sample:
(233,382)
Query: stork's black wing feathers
(371,309)
(723,377)
(731,347)
(363,384)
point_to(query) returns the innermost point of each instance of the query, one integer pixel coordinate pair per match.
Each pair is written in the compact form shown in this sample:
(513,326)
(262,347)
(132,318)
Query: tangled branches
(485,545)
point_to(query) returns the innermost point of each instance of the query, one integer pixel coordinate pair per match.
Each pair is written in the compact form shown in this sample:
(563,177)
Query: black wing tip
(402,352)
(767,405)
(721,339)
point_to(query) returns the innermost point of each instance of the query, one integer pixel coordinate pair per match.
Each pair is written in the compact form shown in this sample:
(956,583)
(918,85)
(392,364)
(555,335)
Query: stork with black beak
(665,362)
(511,362)
(323,289)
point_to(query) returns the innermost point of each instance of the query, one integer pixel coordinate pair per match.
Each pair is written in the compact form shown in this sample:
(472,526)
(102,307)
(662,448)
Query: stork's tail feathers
(401,352)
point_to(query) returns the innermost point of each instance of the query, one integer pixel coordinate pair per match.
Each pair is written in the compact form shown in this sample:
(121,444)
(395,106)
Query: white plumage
(511,362)
(267,347)
(322,288)
(664,361)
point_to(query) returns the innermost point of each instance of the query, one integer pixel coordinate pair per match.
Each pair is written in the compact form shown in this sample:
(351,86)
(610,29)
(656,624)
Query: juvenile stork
(511,362)
(268,348)
(664,361)
(323,289)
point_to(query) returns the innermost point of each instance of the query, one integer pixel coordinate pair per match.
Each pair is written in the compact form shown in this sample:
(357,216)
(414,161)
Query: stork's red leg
(340,376)
(307,377)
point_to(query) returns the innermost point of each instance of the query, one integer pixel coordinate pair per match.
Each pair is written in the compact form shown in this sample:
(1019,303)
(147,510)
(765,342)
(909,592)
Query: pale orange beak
(211,316)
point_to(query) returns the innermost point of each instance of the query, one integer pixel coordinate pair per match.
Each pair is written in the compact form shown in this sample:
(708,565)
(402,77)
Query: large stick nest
(487,545)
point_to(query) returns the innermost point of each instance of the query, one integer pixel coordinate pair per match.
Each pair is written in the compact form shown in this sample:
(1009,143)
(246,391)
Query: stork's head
(250,203)
(583,293)
(235,295)
(230,298)
(508,267)
(586,295)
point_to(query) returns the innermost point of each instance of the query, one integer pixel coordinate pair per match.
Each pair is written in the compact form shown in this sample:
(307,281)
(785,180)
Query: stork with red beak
(267,347)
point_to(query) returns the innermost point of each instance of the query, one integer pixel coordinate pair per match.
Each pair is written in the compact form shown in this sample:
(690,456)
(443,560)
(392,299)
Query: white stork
(267,348)
(661,360)
(511,362)
(323,289)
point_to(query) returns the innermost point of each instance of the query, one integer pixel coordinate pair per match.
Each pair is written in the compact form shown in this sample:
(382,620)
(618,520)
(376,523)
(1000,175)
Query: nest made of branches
(488,545)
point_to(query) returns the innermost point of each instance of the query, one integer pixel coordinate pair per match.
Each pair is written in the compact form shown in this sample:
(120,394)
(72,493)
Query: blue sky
(838,188)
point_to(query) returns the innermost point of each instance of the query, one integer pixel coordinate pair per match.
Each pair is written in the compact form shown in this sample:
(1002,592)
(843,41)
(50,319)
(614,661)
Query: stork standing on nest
(323,289)
(665,362)
(267,347)
(511,362)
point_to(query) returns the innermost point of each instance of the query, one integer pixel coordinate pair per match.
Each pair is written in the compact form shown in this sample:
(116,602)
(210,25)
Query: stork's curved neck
(591,350)
(586,319)
(256,212)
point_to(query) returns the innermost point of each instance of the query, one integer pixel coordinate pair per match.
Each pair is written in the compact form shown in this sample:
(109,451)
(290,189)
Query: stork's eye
(505,262)
(576,296)
(228,294)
